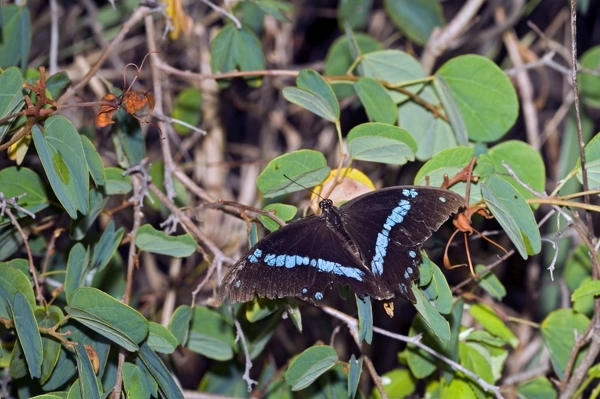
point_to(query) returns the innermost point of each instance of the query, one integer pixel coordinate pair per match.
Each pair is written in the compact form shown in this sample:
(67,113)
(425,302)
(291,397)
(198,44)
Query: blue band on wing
(395,217)
(322,265)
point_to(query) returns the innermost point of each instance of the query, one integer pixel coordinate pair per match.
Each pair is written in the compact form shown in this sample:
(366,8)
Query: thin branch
(223,11)
(132,262)
(242,338)
(353,323)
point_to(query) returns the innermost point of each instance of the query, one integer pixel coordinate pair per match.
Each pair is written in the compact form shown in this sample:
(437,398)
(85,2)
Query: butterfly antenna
(306,188)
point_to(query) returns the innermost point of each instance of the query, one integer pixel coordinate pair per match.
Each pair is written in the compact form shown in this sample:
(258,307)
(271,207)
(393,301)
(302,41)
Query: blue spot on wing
(318,296)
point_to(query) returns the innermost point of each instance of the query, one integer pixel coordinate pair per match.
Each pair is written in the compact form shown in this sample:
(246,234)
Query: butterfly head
(326,205)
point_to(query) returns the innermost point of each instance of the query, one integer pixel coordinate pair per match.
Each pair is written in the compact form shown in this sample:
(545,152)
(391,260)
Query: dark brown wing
(390,225)
(302,259)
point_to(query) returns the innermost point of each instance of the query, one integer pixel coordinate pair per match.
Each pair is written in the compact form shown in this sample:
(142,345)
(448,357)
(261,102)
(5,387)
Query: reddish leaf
(107,109)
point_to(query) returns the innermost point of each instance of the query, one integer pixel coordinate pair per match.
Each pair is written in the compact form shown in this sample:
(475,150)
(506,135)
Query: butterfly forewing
(390,225)
(302,259)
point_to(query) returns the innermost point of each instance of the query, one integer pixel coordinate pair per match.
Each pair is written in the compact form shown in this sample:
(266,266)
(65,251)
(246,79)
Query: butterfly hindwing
(390,225)
(302,259)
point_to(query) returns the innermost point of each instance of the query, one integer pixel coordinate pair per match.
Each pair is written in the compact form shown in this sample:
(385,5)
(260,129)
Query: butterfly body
(371,243)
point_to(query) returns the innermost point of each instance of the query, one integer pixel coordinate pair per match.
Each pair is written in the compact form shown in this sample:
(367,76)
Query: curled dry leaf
(110,104)
(93,357)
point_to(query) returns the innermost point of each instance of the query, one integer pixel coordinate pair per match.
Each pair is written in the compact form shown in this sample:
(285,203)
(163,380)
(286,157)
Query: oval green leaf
(159,371)
(314,94)
(88,384)
(365,319)
(306,168)
(94,162)
(16,181)
(107,316)
(11,282)
(524,160)
(513,213)
(589,84)
(77,264)
(28,334)
(187,109)
(233,49)
(431,133)
(155,241)
(375,99)
(486,98)
(490,321)
(161,339)
(354,372)
(415,18)
(180,323)
(305,368)
(282,211)
(61,152)
(210,335)
(395,67)
(11,100)
(378,142)
(558,330)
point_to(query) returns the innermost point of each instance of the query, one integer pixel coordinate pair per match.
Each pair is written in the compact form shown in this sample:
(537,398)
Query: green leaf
(80,227)
(443,300)
(116,183)
(61,152)
(395,67)
(524,160)
(305,368)
(261,308)
(240,49)
(460,388)
(432,134)
(490,283)
(589,288)
(398,383)
(592,159)
(513,213)
(558,330)
(365,319)
(377,102)
(486,98)
(57,83)
(159,371)
(486,316)
(472,360)
(339,58)
(276,8)
(11,94)
(293,310)
(11,282)
(538,388)
(134,382)
(28,334)
(307,168)
(180,323)
(187,108)
(355,12)
(314,94)
(94,162)
(210,335)
(448,162)
(87,378)
(453,112)
(354,371)
(51,347)
(129,140)
(104,314)
(160,339)
(415,18)
(434,320)
(155,241)
(14,49)
(282,211)
(79,259)
(107,246)
(16,181)
(379,142)
(258,333)
(589,84)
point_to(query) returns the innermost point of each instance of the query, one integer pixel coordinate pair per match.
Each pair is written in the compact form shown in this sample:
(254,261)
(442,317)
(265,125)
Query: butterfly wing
(390,225)
(302,259)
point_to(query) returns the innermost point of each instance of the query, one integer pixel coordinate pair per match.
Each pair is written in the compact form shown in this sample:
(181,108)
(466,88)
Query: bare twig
(132,261)
(440,39)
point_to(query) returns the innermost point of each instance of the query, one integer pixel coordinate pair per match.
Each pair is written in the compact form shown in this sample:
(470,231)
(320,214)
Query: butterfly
(371,243)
